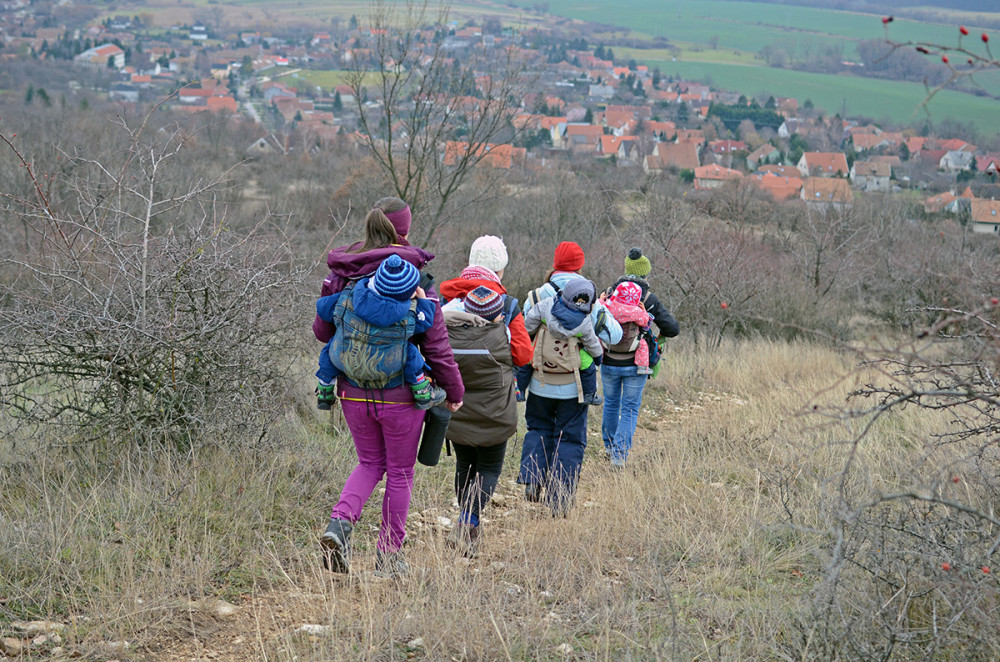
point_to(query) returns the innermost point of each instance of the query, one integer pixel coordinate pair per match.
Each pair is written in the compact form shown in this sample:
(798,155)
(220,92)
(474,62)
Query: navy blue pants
(553,447)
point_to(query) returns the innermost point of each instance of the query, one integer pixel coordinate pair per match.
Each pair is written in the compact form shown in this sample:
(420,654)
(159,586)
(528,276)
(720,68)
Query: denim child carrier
(370,356)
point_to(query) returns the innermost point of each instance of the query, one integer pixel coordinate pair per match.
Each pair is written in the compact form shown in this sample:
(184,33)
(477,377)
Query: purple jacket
(434,344)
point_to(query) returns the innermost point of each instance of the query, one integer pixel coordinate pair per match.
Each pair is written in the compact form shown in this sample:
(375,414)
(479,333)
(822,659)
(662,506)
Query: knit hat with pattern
(396,278)
(637,264)
(484,302)
(488,251)
(628,293)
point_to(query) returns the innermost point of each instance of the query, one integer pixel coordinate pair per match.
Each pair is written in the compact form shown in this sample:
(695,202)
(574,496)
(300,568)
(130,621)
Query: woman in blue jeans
(623,380)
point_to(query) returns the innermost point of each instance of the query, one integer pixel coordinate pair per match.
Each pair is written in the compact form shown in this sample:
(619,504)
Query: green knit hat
(637,264)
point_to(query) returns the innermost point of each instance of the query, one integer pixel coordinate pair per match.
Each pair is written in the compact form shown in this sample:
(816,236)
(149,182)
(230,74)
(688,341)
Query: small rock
(31,628)
(215,607)
(444,521)
(552,617)
(40,640)
(415,643)
(547,594)
(564,649)
(118,645)
(498,565)
(498,500)
(314,629)
(58,651)
(11,647)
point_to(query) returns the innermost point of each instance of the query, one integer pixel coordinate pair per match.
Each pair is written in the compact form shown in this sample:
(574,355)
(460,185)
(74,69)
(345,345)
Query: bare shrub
(132,312)
(726,278)
(911,546)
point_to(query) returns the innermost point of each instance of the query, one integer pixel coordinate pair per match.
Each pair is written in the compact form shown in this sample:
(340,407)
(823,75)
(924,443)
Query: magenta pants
(386,437)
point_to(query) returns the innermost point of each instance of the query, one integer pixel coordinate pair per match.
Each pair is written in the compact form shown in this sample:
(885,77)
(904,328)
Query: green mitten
(656,370)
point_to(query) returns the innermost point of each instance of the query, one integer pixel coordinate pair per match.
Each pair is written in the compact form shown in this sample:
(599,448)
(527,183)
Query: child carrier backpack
(632,335)
(483,356)
(557,361)
(370,356)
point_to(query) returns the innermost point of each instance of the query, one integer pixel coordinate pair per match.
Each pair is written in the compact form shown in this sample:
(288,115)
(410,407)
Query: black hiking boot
(336,545)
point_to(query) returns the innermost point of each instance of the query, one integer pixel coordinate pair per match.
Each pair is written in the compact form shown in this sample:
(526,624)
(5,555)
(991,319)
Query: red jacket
(433,343)
(520,344)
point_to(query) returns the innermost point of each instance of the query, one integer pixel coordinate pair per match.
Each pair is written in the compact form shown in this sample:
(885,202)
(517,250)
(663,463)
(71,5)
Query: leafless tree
(425,97)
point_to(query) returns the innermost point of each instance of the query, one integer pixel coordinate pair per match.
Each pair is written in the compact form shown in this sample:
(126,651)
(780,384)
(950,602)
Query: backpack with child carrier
(555,361)
(482,351)
(631,336)
(370,356)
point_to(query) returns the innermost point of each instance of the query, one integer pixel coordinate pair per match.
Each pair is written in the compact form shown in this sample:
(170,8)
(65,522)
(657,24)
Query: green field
(748,26)
(741,29)
(329,78)
(878,99)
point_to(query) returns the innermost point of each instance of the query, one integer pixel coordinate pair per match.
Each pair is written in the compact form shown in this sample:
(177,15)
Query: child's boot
(326,396)
(426,394)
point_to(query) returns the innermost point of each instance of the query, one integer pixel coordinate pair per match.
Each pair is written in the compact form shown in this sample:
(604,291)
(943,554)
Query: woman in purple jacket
(385,424)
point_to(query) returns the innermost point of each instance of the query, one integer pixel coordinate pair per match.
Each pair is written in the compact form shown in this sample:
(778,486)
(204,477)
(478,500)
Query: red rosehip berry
(886,20)
(946,566)
(944,58)
(964,30)
(985,38)
(724,305)
(995,301)
(955,479)
(985,569)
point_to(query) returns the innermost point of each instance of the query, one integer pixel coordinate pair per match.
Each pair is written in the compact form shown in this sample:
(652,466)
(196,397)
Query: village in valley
(584,105)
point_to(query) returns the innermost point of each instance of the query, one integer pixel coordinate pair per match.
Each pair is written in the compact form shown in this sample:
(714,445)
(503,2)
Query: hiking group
(395,351)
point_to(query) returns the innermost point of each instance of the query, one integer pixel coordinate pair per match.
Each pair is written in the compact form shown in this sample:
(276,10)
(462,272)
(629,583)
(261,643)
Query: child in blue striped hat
(383,300)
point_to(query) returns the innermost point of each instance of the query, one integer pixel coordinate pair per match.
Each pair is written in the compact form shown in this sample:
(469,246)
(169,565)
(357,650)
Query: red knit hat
(568,257)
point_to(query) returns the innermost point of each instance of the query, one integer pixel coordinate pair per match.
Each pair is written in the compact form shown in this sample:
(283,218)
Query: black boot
(336,545)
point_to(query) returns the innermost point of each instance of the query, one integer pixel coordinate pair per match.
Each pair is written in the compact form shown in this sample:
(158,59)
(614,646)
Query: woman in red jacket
(486,353)
(384,423)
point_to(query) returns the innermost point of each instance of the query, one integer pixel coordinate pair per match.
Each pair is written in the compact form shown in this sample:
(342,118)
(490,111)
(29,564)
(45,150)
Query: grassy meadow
(747,26)
(689,554)
(895,101)
(743,28)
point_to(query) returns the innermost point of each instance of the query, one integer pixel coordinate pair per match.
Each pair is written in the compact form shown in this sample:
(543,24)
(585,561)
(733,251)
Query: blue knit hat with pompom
(396,278)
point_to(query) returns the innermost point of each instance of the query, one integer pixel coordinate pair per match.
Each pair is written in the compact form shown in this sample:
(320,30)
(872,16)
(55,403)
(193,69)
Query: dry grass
(687,555)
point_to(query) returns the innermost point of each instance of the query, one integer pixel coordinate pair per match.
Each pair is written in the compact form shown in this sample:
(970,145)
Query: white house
(871,176)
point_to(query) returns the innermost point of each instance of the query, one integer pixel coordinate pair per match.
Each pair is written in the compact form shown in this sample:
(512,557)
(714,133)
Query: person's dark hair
(379,231)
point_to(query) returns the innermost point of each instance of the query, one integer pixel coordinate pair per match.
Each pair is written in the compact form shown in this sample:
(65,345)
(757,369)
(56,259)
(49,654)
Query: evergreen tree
(337,103)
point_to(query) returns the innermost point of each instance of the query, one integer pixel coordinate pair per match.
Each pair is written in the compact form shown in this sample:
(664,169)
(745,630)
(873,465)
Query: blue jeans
(622,397)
